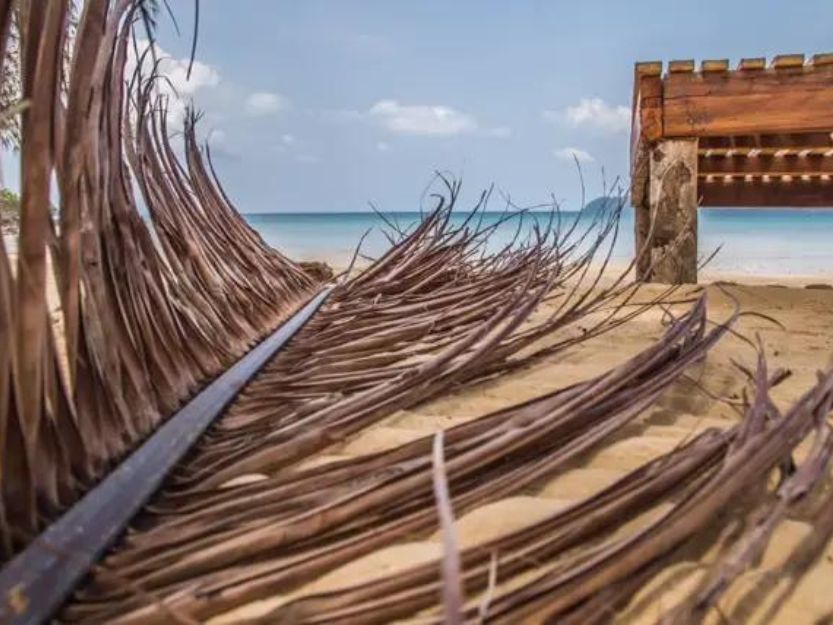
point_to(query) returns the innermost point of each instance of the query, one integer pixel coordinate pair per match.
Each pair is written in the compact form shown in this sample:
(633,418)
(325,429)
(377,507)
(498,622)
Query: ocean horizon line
(462,211)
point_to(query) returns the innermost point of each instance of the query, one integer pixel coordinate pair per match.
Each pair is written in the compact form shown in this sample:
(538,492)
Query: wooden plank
(648,68)
(783,61)
(797,193)
(736,103)
(681,66)
(817,141)
(714,65)
(650,107)
(818,60)
(752,64)
(750,151)
(36,582)
(646,126)
(795,165)
(724,143)
(671,241)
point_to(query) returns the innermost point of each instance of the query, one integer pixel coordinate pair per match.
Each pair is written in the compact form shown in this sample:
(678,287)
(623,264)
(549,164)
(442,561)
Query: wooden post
(671,257)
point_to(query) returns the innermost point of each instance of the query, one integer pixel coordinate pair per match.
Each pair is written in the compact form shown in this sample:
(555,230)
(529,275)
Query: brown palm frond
(587,570)
(152,309)
(400,332)
(141,329)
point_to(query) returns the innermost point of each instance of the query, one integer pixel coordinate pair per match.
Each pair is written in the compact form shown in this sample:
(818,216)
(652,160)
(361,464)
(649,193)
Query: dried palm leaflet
(136,337)
(385,344)
(743,471)
(373,501)
(127,280)
(577,565)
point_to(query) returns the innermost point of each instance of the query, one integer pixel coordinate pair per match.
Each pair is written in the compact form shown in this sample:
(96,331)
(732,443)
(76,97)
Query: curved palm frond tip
(148,311)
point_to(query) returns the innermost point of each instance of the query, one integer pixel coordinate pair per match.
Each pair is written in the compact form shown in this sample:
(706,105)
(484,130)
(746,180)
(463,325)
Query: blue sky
(324,105)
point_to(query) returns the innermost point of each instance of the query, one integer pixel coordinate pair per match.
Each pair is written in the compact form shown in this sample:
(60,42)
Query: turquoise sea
(761,242)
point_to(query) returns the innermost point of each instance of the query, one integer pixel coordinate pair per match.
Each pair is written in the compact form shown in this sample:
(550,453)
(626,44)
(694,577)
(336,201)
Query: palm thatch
(150,311)
(147,315)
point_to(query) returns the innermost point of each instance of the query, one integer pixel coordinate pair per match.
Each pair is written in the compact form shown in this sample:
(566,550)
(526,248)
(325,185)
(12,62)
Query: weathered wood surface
(820,142)
(681,66)
(782,61)
(814,193)
(791,144)
(716,102)
(764,164)
(671,255)
(752,64)
(765,131)
(715,65)
(646,125)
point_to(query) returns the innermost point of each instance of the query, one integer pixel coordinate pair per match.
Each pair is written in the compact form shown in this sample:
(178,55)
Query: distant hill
(602,203)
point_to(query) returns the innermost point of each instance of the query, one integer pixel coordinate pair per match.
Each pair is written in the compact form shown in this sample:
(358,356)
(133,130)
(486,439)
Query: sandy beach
(795,326)
(792,316)
(343,314)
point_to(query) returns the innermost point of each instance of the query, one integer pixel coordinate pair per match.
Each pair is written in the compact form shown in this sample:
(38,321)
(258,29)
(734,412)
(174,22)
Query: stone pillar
(671,200)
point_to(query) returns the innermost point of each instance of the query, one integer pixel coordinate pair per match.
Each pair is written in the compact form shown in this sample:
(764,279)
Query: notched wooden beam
(648,68)
(786,61)
(797,192)
(681,66)
(752,64)
(819,60)
(749,102)
(714,65)
(760,165)
(816,142)
(646,123)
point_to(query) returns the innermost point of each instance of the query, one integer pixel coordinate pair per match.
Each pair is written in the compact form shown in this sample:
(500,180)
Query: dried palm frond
(583,563)
(150,311)
(433,313)
(148,314)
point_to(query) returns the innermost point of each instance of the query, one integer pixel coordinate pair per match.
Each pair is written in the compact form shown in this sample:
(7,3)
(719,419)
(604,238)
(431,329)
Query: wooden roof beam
(786,61)
(648,68)
(812,193)
(755,152)
(646,123)
(820,60)
(766,165)
(714,65)
(681,66)
(752,64)
(718,102)
(792,141)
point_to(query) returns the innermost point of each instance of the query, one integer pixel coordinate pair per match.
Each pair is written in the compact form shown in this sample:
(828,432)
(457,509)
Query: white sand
(804,345)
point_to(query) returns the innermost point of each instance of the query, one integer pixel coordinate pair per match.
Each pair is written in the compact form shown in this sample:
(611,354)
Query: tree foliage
(9,211)
(10,85)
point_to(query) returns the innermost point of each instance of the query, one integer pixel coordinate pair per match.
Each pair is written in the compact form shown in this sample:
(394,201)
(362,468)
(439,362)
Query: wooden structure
(757,135)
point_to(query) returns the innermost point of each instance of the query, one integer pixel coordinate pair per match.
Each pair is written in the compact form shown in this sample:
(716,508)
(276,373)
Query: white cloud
(175,71)
(220,144)
(594,113)
(176,83)
(382,146)
(265,103)
(202,75)
(420,119)
(573,154)
(287,139)
(307,159)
